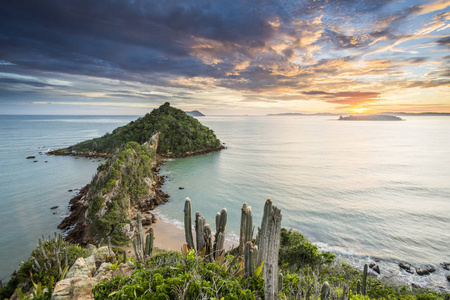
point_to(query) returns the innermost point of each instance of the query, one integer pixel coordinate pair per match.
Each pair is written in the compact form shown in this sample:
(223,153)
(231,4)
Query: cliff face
(124,184)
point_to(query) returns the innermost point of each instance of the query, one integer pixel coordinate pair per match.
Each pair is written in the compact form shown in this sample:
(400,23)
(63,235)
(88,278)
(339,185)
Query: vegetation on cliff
(124,181)
(179,134)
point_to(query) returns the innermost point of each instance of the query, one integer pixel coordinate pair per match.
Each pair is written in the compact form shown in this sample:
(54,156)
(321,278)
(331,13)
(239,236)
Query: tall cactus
(220,229)
(199,231)
(364,279)
(188,224)
(264,233)
(270,269)
(242,234)
(141,250)
(325,292)
(208,243)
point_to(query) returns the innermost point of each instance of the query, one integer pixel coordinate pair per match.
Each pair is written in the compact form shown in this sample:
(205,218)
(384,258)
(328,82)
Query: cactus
(270,268)
(242,240)
(141,250)
(263,236)
(325,292)
(208,242)
(358,287)
(188,224)
(249,225)
(149,243)
(248,258)
(221,219)
(364,279)
(199,231)
(219,244)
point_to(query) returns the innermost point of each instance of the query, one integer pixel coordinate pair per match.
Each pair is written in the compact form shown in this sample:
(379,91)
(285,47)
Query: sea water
(365,190)
(28,189)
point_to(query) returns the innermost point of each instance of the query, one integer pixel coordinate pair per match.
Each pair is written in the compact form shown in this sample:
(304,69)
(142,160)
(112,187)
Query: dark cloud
(244,45)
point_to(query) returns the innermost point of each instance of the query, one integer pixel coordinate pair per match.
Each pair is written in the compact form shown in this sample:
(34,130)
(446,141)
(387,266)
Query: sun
(360,110)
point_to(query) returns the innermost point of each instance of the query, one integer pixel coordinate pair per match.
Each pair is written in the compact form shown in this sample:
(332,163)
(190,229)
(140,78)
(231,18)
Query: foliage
(170,276)
(123,180)
(45,276)
(179,133)
(296,251)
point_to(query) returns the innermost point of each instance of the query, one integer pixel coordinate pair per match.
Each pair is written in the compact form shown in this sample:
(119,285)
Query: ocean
(364,190)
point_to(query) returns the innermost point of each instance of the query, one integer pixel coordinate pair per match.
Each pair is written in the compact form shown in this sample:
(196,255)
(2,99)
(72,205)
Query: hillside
(179,135)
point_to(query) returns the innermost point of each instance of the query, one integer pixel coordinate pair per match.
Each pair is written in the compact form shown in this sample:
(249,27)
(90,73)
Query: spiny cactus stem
(325,292)
(188,224)
(242,233)
(364,279)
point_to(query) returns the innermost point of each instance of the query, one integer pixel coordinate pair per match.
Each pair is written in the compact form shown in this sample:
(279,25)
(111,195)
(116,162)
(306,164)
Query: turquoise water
(364,190)
(29,189)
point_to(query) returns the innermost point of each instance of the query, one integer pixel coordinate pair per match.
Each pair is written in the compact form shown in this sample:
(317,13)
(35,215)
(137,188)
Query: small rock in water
(35,161)
(30,157)
(70,190)
(425,271)
(376,268)
(46,161)
(446,265)
(371,265)
(448,278)
(181,188)
(54,207)
(54,212)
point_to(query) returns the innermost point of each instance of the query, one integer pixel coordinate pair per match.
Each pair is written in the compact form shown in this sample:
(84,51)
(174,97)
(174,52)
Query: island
(370,118)
(195,113)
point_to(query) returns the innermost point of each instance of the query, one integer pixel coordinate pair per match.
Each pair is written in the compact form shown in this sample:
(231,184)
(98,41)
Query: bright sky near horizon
(224,57)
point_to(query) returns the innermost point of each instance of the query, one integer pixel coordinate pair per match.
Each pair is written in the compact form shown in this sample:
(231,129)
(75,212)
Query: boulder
(31,157)
(406,267)
(101,253)
(448,278)
(376,268)
(74,288)
(425,270)
(445,265)
(104,272)
(54,207)
(79,268)
(90,263)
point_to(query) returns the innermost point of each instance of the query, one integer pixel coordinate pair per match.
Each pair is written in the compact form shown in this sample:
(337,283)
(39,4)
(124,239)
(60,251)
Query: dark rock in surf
(371,265)
(425,270)
(445,265)
(376,269)
(181,188)
(406,267)
(31,157)
(448,278)
(54,207)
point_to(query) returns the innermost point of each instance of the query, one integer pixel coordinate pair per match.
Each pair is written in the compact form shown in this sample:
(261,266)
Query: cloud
(337,52)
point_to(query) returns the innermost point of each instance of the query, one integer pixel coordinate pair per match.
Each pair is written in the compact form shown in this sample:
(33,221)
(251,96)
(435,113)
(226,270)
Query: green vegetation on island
(179,135)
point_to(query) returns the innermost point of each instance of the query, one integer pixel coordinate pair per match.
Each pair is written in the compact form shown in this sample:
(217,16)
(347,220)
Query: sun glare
(359,110)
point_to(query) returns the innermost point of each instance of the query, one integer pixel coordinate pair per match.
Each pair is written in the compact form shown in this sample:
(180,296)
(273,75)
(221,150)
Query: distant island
(195,113)
(370,118)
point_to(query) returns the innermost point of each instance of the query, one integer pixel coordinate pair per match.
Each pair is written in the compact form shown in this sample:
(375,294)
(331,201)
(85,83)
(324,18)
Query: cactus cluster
(58,258)
(261,257)
(143,250)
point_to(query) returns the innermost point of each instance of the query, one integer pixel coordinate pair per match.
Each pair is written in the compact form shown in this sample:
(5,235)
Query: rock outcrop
(83,275)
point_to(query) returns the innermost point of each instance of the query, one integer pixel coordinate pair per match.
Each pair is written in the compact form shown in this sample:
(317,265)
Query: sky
(126,57)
